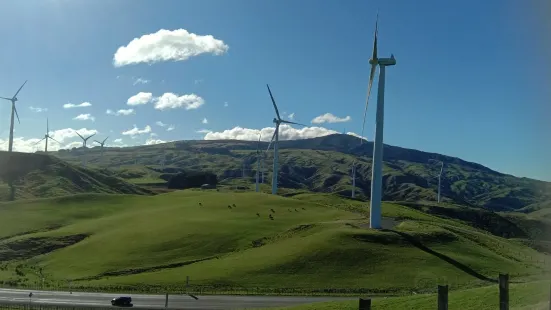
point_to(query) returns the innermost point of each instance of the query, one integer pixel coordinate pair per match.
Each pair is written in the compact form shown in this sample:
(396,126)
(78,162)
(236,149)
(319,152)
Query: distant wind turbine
(354,179)
(13,110)
(258,159)
(377,169)
(102,143)
(275,139)
(46,137)
(439,176)
(84,140)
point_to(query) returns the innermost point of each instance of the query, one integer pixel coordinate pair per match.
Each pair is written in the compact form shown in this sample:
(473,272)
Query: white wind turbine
(258,159)
(46,137)
(84,140)
(163,159)
(439,176)
(377,168)
(102,143)
(275,139)
(13,111)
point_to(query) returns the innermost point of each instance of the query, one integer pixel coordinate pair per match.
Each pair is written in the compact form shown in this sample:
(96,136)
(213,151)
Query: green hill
(323,165)
(40,176)
(154,242)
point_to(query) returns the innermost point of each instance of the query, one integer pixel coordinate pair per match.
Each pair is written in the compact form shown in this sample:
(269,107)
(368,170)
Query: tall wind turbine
(275,139)
(439,176)
(354,179)
(258,159)
(13,110)
(46,137)
(84,140)
(377,169)
(102,143)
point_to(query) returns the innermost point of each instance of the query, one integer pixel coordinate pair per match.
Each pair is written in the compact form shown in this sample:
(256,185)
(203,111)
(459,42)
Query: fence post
(166,300)
(365,304)
(550,297)
(442,297)
(503,292)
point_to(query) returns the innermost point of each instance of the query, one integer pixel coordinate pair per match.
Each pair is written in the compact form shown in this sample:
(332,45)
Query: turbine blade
(90,136)
(16,114)
(79,135)
(288,122)
(54,139)
(371,75)
(40,141)
(97,141)
(104,140)
(258,143)
(6,98)
(273,101)
(273,137)
(19,89)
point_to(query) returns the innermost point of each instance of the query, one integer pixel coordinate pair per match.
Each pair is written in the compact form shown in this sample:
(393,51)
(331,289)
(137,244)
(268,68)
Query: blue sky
(471,78)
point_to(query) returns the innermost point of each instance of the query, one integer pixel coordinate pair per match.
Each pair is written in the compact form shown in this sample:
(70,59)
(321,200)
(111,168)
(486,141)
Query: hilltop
(40,176)
(323,165)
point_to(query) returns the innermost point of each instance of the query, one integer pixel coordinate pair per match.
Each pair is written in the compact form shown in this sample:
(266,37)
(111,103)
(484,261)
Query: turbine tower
(102,143)
(84,140)
(377,169)
(163,159)
(46,137)
(275,139)
(354,179)
(13,111)
(439,176)
(258,159)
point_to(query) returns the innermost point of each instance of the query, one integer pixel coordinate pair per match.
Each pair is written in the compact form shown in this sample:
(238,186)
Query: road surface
(208,302)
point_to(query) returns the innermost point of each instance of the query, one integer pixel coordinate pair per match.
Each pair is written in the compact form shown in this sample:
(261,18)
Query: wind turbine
(377,169)
(354,179)
(102,143)
(258,159)
(46,137)
(84,140)
(275,138)
(13,110)
(163,159)
(439,176)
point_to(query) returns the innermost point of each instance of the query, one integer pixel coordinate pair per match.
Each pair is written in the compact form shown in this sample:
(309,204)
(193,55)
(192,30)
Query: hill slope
(40,176)
(227,240)
(323,165)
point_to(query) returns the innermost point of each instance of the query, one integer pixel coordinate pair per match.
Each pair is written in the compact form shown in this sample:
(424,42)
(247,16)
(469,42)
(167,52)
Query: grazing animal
(271,218)
(234,205)
(229,207)
(303,208)
(258,215)
(273,211)
(296,210)
(201,204)
(289,210)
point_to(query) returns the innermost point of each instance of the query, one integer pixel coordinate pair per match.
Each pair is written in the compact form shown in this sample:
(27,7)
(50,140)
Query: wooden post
(442,297)
(166,301)
(365,304)
(503,292)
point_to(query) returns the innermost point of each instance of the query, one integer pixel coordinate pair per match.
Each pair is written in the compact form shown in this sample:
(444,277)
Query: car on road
(122,301)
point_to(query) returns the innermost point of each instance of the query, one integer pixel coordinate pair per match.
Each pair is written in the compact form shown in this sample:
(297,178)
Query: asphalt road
(158,301)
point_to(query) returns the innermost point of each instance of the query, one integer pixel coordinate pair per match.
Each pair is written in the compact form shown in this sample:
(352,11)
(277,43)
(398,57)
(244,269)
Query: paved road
(209,302)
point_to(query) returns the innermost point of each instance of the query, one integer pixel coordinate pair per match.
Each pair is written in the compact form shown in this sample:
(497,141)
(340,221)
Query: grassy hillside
(39,176)
(525,296)
(324,165)
(142,242)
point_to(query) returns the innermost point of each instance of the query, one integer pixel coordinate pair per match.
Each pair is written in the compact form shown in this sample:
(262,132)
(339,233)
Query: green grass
(141,241)
(525,296)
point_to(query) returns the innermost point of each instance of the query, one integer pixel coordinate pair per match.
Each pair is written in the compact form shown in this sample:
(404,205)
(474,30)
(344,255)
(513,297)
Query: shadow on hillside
(415,242)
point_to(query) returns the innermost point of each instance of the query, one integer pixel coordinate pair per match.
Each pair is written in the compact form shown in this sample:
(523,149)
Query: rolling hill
(323,165)
(39,176)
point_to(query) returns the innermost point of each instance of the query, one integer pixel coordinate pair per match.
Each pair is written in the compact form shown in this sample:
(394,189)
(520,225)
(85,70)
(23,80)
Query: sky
(471,80)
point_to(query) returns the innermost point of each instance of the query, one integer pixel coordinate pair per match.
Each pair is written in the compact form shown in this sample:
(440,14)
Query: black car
(122,301)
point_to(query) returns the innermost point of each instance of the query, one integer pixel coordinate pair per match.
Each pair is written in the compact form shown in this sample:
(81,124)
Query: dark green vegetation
(323,165)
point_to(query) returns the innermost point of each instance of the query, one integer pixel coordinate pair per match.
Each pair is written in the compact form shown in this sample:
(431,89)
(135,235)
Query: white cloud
(291,116)
(140,81)
(330,118)
(62,135)
(120,112)
(170,128)
(153,134)
(167,45)
(199,81)
(85,117)
(140,98)
(203,131)
(37,109)
(286,132)
(70,145)
(205,121)
(154,141)
(173,101)
(159,123)
(119,140)
(80,105)
(136,131)
(356,135)
(226,104)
